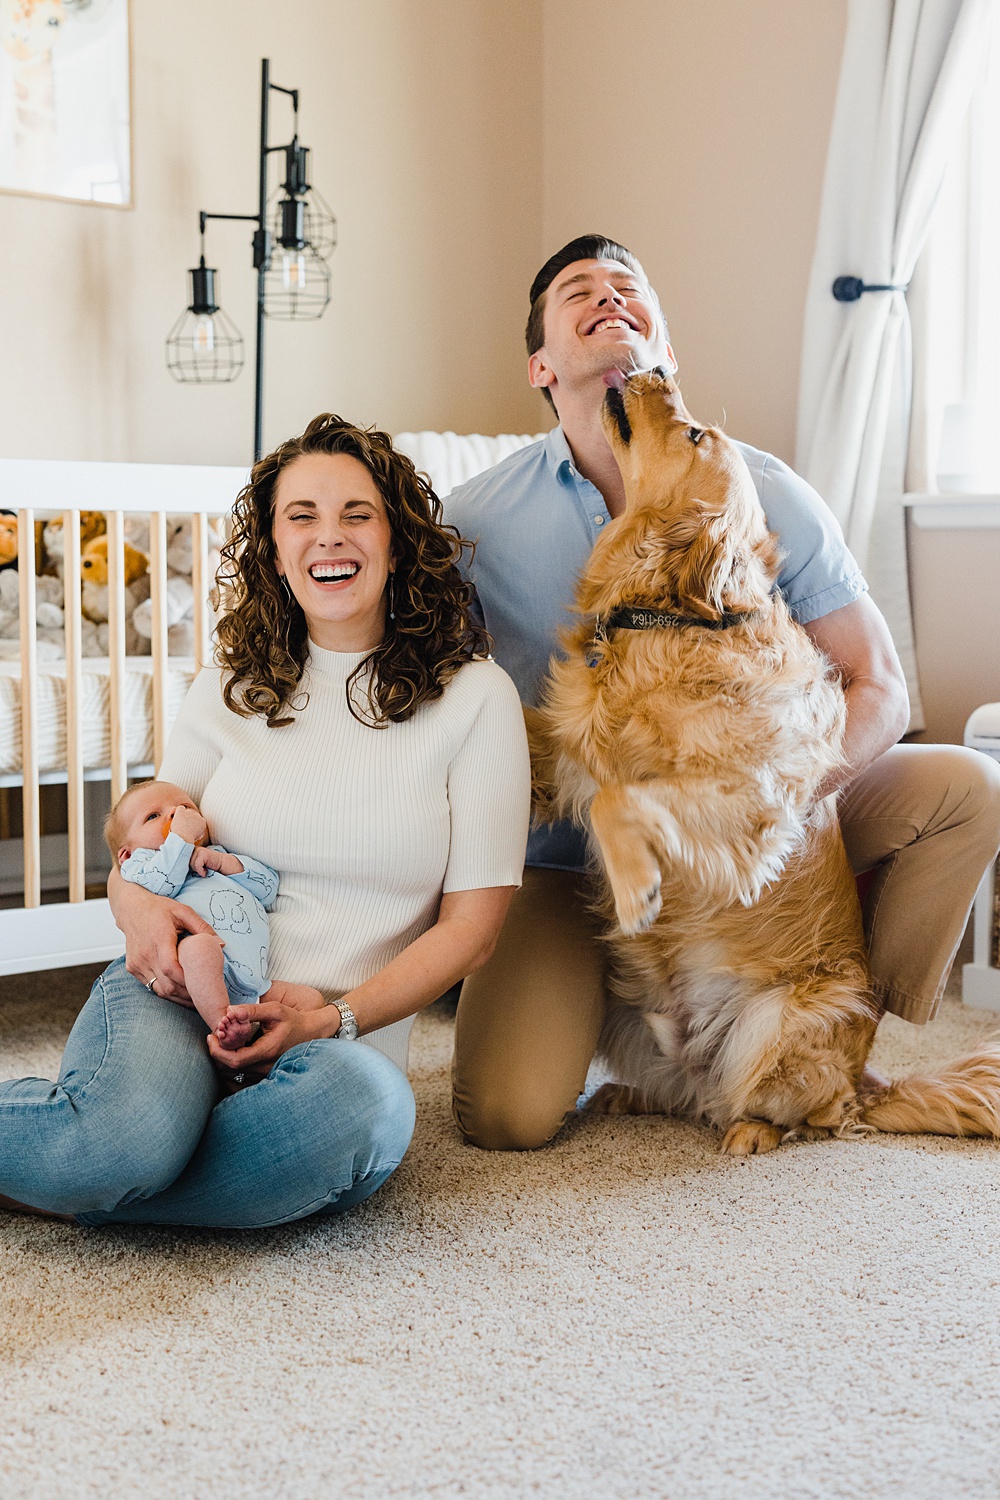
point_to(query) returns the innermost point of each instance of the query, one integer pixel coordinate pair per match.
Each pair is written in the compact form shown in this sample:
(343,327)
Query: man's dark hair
(584,247)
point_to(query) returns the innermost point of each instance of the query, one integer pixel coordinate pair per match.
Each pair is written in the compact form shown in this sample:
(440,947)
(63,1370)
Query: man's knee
(987,778)
(508,1123)
(975,778)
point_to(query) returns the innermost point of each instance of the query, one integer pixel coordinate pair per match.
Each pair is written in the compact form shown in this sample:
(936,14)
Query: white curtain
(954,302)
(908,72)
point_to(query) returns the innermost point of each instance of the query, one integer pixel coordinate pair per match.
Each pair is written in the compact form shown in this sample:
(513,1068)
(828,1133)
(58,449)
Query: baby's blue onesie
(235,905)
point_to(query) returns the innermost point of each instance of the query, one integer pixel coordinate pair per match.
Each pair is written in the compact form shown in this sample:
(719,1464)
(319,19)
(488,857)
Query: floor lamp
(293,237)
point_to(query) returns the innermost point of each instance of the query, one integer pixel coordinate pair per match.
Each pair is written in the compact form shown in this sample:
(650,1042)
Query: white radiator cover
(981,978)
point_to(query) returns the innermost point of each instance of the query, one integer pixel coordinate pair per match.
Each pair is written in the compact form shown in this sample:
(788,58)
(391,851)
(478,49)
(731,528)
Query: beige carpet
(622,1315)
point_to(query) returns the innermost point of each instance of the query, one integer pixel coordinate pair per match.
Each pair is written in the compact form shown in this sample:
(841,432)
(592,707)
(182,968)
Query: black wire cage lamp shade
(297,280)
(292,236)
(298,209)
(303,231)
(204,345)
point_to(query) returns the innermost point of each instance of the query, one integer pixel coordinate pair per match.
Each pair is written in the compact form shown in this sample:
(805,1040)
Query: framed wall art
(65,128)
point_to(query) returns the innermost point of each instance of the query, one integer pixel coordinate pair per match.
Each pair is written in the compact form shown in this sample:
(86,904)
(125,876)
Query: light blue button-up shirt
(534,519)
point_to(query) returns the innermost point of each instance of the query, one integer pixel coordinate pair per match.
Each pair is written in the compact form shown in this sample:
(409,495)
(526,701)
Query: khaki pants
(924,818)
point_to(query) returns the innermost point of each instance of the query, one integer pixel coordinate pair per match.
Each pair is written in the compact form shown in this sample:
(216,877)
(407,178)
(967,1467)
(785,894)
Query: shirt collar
(557,452)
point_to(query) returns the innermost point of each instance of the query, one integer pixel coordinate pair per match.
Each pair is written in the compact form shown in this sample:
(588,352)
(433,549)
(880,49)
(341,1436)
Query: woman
(356,739)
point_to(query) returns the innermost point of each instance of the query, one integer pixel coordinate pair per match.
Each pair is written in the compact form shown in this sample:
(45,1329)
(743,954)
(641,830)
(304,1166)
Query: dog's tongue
(615,380)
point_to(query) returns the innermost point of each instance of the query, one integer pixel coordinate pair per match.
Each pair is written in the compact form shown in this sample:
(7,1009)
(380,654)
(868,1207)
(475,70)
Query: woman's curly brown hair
(262,635)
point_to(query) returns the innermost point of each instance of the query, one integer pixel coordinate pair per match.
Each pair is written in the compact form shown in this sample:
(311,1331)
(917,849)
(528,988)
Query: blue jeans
(134,1131)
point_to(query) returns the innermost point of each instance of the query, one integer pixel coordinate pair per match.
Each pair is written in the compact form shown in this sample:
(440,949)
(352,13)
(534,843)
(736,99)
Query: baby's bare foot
(233,1033)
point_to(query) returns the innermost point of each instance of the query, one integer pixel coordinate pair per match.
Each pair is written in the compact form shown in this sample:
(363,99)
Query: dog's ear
(717,566)
(706,555)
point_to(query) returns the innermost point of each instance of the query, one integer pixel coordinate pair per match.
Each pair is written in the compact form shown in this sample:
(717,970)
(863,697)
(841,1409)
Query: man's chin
(619,357)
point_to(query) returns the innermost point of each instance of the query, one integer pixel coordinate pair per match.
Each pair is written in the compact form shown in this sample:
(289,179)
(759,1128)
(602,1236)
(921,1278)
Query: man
(925,819)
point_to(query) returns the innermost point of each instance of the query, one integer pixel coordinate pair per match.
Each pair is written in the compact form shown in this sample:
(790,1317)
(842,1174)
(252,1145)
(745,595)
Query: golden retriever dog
(694,724)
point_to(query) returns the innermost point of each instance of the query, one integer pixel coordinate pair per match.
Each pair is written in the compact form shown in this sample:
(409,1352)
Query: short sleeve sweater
(367,827)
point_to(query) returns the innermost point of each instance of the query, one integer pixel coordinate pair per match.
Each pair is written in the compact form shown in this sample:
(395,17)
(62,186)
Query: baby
(159,839)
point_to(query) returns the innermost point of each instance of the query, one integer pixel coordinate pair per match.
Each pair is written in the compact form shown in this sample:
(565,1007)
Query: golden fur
(698,754)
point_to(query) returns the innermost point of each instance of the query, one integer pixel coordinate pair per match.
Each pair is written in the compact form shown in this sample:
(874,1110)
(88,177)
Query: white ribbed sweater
(366,827)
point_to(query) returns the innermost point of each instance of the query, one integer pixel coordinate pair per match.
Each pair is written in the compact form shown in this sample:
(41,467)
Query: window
(954,305)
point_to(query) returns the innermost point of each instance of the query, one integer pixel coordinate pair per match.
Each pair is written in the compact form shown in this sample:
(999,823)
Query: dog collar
(628,617)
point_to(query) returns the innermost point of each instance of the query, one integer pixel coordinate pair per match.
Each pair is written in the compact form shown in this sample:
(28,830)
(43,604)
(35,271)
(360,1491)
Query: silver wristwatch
(348,1030)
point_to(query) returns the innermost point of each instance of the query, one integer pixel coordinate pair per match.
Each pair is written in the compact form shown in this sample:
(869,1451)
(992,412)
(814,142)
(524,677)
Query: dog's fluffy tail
(961,1099)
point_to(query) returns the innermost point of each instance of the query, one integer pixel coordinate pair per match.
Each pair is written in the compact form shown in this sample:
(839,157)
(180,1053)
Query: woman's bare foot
(233,1032)
(13,1207)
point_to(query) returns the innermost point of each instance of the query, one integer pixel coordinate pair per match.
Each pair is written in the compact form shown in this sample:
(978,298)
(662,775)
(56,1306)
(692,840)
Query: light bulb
(203,339)
(293,270)
(296,283)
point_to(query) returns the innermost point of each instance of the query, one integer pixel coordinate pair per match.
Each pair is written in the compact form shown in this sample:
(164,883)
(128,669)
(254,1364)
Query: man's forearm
(875,721)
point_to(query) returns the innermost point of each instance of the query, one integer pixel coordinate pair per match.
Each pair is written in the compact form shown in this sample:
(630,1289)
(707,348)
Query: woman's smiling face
(333,546)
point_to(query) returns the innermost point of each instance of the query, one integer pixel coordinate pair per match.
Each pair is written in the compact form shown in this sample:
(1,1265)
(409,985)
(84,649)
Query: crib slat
(116,652)
(29,709)
(74,720)
(200,585)
(158,596)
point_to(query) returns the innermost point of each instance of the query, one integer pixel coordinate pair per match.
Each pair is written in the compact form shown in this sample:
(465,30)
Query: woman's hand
(283,1026)
(152,926)
(298,996)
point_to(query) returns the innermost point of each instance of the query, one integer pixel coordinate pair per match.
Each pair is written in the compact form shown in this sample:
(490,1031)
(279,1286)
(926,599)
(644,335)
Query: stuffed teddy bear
(94,573)
(180,594)
(8,539)
(10,610)
(180,617)
(9,542)
(92,525)
(50,641)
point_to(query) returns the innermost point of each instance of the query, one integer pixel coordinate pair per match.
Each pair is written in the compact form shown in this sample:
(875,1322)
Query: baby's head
(141,818)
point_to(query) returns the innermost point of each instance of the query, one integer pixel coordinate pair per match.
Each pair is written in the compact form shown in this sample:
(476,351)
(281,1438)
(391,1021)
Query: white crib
(37,936)
(107,719)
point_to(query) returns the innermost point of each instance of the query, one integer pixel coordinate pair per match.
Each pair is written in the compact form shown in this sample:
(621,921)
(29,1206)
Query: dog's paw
(616,1099)
(806,1134)
(751,1138)
(637,906)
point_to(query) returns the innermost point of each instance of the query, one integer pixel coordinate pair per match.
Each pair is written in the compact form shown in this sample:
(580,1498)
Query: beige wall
(696,132)
(955,586)
(460,142)
(457,150)
(422,115)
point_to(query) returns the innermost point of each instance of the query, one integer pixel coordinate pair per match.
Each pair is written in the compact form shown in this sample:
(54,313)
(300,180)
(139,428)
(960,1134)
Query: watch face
(348,1025)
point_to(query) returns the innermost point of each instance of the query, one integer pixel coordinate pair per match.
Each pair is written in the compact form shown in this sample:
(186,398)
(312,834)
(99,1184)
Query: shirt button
(598,520)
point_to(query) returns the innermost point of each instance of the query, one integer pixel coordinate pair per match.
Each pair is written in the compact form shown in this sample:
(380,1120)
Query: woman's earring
(284,584)
(392,596)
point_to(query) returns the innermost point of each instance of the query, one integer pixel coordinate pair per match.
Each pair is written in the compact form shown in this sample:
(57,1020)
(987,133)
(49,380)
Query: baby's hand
(189,825)
(203,860)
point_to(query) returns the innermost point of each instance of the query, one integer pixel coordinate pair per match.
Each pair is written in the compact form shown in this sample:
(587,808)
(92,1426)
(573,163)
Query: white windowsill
(954,512)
